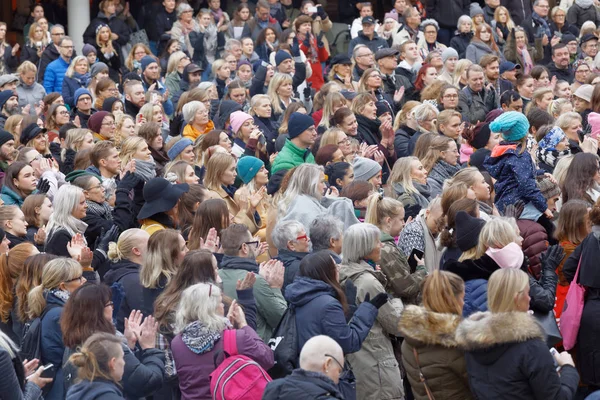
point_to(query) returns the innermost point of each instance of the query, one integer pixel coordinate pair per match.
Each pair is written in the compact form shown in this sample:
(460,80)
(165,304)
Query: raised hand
(247,283)
(147,333)
(75,246)
(212,242)
(132,327)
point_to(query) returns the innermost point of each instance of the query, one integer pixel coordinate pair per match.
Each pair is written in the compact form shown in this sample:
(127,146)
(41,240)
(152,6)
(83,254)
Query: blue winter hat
(179,147)
(552,138)
(281,56)
(147,60)
(512,125)
(248,167)
(80,92)
(298,123)
(4,96)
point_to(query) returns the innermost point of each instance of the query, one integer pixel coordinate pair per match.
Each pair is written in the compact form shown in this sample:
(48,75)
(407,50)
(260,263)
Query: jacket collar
(427,327)
(300,152)
(483,330)
(352,270)
(247,264)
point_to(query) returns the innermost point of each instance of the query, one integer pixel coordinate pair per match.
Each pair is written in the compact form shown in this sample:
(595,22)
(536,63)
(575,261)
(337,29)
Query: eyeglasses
(364,55)
(345,141)
(95,187)
(109,304)
(254,243)
(36,158)
(79,278)
(302,237)
(336,361)
(57,34)
(63,113)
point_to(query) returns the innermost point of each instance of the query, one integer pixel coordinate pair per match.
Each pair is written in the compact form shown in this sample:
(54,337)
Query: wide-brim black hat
(161,196)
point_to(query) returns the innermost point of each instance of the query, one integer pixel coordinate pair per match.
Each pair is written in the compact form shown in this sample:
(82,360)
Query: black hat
(161,196)
(5,136)
(341,59)
(567,37)
(368,20)
(275,181)
(191,68)
(587,37)
(108,103)
(387,52)
(467,230)
(382,108)
(30,132)
(481,135)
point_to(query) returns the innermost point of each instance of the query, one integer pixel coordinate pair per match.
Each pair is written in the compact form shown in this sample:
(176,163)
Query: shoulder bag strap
(422,377)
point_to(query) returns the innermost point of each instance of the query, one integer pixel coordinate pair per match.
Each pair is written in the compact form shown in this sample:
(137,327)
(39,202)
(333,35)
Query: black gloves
(129,181)
(307,92)
(43,186)
(552,258)
(105,238)
(320,43)
(514,210)
(306,41)
(378,301)
(321,12)
(295,49)
(411,211)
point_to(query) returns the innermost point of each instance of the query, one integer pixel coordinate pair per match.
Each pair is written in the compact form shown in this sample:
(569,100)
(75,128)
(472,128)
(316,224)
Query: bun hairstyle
(92,360)
(121,250)
(379,207)
(335,171)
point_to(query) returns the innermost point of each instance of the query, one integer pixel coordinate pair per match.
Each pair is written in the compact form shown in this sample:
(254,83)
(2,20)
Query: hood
(353,270)
(288,256)
(487,335)
(93,390)
(12,194)
(303,290)
(225,110)
(247,264)
(421,327)
(495,162)
(481,268)
(119,269)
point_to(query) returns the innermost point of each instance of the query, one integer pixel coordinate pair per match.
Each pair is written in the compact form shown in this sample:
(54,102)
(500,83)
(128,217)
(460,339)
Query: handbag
(548,323)
(570,319)
(422,377)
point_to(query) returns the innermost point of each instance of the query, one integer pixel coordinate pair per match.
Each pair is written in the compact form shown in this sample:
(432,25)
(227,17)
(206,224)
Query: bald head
(322,354)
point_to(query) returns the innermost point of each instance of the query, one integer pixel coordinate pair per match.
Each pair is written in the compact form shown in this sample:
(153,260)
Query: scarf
(431,255)
(84,80)
(61,294)
(102,210)
(199,338)
(424,191)
(217,15)
(413,33)
(313,54)
(442,170)
(584,3)
(526,59)
(145,169)
(551,157)
(510,256)
(542,23)
(485,207)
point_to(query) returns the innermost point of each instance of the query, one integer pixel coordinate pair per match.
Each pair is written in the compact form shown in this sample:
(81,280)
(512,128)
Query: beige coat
(240,215)
(374,365)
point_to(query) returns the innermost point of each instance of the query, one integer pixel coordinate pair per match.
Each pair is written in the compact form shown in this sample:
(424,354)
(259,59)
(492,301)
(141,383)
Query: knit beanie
(71,176)
(107,105)
(248,167)
(475,9)
(594,123)
(97,68)
(80,92)
(467,230)
(5,136)
(237,119)
(492,115)
(281,56)
(87,49)
(481,135)
(4,96)
(178,147)
(447,53)
(147,60)
(512,125)
(548,188)
(95,121)
(298,123)
(365,168)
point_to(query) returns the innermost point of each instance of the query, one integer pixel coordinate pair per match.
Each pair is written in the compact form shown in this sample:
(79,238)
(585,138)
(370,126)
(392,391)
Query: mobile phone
(312,9)
(49,371)
(412,263)
(554,353)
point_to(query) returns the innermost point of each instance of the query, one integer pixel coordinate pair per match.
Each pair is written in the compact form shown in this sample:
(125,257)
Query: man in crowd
(9,105)
(368,37)
(8,82)
(292,246)
(301,136)
(511,101)
(7,149)
(135,97)
(476,100)
(262,19)
(151,81)
(561,66)
(366,10)
(55,72)
(52,51)
(491,65)
(83,106)
(363,60)
(387,61)
(508,71)
(105,160)
(411,30)
(192,75)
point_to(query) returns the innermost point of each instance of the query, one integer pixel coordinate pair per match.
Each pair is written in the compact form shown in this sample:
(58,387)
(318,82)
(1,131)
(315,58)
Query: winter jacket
(160,88)
(10,62)
(319,312)
(375,366)
(507,357)
(194,365)
(317,78)
(52,346)
(98,389)
(113,62)
(12,379)
(416,235)
(474,106)
(578,14)
(50,54)
(291,156)
(561,74)
(520,10)
(270,303)
(240,214)
(377,43)
(172,82)
(400,281)
(30,94)
(535,242)
(29,52)
(514,172)
(402,35)
(402,140)
(54,75)
(291,262)
(69,86)
(128,274)
(442,363)
(512,54)
(257,26)
(164,23)
(439,174)
(460,42)
(10,197)
(269,130)
(302,385)
(421,198)
(117,26)
(447,12)
(477,49)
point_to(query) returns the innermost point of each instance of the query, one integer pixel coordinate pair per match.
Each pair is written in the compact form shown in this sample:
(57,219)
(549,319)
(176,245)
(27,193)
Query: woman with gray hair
(197,119)
(202,331)
(375,366)
(185,24)
(464,34)
(305,199)
(326,233)
(428,42)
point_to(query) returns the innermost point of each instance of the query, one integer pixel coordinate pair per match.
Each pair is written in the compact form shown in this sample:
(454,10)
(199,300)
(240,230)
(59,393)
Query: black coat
(117,26)
(368,130)
(50,54)
(269,129)
(520,10)
(561,74)
(460,43)
(29,53)
(302,385)
(402,140)
(128,274)
(507,358)
(447,12)
(291,262)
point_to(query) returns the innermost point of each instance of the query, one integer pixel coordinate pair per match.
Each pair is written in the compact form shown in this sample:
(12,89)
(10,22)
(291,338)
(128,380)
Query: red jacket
(316,78)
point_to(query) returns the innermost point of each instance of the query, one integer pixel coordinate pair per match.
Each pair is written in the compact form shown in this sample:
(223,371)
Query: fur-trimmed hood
(421,327)
(489,333)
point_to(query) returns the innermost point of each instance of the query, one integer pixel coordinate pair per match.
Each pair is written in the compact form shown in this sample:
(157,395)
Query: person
(313,44)
(301,135)
(483,43)
(120,31)
(14,225)
(441,162)
(29,91)
(520,355)
(581,180)
(60,278)
(55,72)
(561,66)
(100,366)
(408,184)
(293,245)
(388,215)
(429,349)
(379,379)
(65,222)
(326,233)
(368,37)
(77,76)
(198,120)
(254,176)
(410,29)
(321,363)
(160,208)
(201,328)
(51,52)
(9,105)
(476,100)
(19,183)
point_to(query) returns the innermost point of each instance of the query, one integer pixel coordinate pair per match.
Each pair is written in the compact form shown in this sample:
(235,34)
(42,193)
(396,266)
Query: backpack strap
(230,342)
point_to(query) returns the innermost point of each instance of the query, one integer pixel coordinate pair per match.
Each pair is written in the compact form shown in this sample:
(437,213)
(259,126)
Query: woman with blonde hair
(222,74)
(29,91)
(60,278)
(8,54)
(136,149)
(108,51)
(408,183)
(255,177)
(525,359)
(125,127)
(133,63)
(441,162)
(35,44)
(333,102)
(261,110)
(559,106)
(281,94)
(475,181)
(542,97)
(177,63)
(77,76)
(337,137)
(428,332)
(460,73)
(180,172)
(14,126)
(450,124)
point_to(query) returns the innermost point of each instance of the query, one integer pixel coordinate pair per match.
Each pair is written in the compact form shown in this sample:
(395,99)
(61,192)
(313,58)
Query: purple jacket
(194,369)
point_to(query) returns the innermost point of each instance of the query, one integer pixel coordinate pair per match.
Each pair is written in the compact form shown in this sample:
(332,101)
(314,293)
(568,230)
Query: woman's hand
(132,328)
(548,214)
(212,242)
(30,366)
(564,358)
(379,157)
(37,379)
(236,315)
(255,134)
(147,333)
(332,192)
(76,246)
(257,197)
(399,94)
(40,235)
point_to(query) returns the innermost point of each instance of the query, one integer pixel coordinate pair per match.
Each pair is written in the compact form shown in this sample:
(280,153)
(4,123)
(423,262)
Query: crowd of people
(203,188)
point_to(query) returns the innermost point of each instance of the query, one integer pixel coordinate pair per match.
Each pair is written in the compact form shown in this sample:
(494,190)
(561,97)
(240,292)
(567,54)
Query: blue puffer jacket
(319,312)
(54,75)
(475,273)
(515,174)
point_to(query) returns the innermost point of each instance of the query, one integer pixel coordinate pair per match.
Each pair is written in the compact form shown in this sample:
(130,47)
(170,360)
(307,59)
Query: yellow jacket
(151,226)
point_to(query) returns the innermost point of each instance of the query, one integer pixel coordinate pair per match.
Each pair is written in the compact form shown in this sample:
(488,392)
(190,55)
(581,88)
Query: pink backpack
(570,319)
(237,377)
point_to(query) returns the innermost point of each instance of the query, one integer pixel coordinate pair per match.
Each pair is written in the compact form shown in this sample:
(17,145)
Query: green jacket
(291,156)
